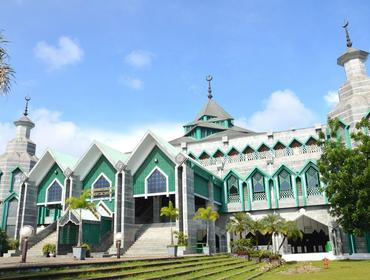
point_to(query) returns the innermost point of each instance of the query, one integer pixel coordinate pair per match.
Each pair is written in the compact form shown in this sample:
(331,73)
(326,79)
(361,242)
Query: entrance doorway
(147,210)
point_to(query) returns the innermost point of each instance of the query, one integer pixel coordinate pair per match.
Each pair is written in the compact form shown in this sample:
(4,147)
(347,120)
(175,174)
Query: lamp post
(25,233)
(118,244)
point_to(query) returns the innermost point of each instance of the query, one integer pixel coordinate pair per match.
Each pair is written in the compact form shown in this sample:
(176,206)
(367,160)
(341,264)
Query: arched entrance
(315,236)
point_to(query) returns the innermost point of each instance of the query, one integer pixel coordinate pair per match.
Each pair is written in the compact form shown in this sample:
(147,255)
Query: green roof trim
(294,139)
(232,172)
(286,168)
(254,171)
(308,164)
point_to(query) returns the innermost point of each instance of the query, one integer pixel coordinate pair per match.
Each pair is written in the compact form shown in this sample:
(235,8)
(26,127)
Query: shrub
(52,248)
(182,238)
(13,244)
(46,248)
(3,242)
(242,246)
(86,246)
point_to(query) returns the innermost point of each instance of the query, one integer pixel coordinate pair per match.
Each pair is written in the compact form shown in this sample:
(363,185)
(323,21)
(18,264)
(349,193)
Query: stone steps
(36,250)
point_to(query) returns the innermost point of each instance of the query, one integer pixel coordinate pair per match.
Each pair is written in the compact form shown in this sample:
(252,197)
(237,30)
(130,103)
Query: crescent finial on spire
(27,98)
(209,79)
(345,26)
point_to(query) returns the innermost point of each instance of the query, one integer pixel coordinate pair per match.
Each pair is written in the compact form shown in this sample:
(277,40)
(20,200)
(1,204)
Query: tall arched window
(157,182)
(233,190)
(54,192)
(285,184)
(102,187)
(313,182)
(17,180)
(11,217)
(258,186)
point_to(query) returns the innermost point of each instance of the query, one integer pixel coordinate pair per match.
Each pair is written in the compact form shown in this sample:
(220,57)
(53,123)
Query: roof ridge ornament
(27,98)
(345,26)
(209,79)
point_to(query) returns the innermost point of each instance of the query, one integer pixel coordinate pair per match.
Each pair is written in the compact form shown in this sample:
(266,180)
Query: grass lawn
(338,270)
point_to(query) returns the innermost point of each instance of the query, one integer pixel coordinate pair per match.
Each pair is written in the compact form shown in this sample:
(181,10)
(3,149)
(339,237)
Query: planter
(88,254)
(172,251)
(79,253)
(181,250)
(206,250)
(46,254)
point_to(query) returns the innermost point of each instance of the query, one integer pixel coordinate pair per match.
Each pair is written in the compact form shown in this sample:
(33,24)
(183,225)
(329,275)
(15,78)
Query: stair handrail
(33,240)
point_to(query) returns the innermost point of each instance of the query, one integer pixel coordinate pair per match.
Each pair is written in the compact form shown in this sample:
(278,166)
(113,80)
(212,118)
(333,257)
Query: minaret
(15,163)
(354,94)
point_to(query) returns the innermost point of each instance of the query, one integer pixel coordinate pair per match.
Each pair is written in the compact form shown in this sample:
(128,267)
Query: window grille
(102,188)
(55,192)
(313,182)
(285,185)
(157,182)
(258,187)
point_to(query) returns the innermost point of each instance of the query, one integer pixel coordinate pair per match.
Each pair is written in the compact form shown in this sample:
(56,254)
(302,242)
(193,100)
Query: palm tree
(6,71)
(290,230)
(272,223)
(208,215)
(255,227)
(171,212)
(238,223)
(79,203)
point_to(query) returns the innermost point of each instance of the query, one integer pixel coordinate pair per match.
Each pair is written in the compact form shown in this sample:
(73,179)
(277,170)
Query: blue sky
(116,68)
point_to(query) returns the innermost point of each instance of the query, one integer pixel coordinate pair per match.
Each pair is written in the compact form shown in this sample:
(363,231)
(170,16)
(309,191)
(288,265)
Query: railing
(286,152)
(286,194)
(259,196)
(313,191)
(233,198)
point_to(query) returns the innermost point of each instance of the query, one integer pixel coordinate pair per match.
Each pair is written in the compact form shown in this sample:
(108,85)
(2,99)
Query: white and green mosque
(214,163)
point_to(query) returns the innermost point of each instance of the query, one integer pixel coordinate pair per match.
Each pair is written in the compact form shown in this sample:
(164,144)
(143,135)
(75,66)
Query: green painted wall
(201,185)
(217,193)
(91,233)
(164,163)
(101,166)
(54,173)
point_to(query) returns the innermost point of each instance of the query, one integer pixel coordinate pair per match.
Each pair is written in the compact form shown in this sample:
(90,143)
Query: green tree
(345,172)
(171,212)
(208,215)
(271,224)
(255,227)
(290,230)
(6,71)
(80,203)
(4,244)
(238,223)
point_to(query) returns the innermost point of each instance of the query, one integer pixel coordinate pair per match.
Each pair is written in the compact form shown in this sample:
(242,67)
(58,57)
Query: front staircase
(36,250)
(152,241)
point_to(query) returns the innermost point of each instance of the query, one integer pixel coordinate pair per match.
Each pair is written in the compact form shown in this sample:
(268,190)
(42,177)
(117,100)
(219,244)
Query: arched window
(157,182)
(101,183)
(54,192)
(258,186)
(313,182)
(17,181)
(285,184)
(102,187)
(298,183)
(233,190)
(11,217)
(341,133)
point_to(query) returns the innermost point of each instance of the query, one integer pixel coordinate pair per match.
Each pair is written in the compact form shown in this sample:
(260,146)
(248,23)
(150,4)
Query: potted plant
(88,249)
(79,203)
(171,212)
(46,250)
(53,250)
(208,215)
(182,242)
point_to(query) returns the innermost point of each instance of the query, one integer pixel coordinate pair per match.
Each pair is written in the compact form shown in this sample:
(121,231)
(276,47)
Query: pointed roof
(213,109)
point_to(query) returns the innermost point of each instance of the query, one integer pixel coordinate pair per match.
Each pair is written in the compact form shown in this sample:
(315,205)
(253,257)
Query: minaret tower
(354,94)
(15,163)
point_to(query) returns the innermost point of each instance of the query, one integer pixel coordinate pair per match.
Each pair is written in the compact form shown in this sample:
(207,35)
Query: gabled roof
(213,109)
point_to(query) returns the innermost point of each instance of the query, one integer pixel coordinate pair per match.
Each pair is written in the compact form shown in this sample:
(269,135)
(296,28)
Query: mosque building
(215,163)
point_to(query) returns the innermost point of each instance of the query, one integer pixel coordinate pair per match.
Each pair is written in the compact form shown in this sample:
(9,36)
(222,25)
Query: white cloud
(51,131)
(65,53)
(139,58)
(133,83)
(331,98)
(283,110)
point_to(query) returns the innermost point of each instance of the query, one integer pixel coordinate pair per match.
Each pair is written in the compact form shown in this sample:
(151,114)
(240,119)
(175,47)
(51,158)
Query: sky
(111,70)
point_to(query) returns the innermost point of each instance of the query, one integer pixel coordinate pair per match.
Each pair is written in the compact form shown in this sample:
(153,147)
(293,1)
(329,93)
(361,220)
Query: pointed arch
(295,143)
(279,146)
(248,150)
(285,183)
(101,187)
(204,155)
(191,155)
(233,152)
(16,179)
(311,141)
(263,148)
(218,153)
(54,192)
(156,182)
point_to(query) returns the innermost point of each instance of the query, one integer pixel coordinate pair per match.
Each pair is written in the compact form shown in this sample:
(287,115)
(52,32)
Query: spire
(27,98)
(209,79)
(349,42)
